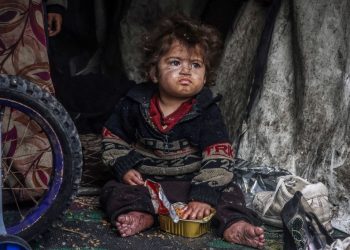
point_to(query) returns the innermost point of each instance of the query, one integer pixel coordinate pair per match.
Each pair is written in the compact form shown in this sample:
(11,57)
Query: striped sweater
(196,149)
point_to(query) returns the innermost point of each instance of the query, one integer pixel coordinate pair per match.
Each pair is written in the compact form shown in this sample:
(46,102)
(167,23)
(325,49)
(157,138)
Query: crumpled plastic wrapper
(160,202)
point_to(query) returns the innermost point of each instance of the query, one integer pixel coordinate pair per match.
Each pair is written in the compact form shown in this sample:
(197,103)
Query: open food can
(185,228)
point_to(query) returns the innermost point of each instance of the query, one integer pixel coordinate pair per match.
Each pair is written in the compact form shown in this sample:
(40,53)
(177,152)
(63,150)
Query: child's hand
(133,177)
(196,210)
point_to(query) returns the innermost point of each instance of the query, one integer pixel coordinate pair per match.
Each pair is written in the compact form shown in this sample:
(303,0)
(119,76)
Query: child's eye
(196,65)
(174,62)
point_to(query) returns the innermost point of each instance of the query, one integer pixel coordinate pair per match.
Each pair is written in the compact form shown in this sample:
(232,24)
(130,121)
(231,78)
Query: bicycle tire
(43,109)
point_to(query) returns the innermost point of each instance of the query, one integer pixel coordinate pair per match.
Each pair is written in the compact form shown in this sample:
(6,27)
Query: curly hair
(190,34)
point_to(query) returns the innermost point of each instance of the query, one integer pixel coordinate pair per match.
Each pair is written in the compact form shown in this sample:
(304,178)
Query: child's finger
(132,179)
(199,215)
(131,182)
(136,180)
(187,213)
(194,213)
(206,212)
(139,176)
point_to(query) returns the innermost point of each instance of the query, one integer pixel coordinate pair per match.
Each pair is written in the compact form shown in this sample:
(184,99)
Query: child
(170,130)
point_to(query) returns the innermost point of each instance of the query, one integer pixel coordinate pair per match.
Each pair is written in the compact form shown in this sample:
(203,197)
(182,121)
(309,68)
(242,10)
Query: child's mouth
(185,81)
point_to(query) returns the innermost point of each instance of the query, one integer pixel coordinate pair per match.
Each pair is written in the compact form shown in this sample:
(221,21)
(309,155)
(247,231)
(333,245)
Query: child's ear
(153,74)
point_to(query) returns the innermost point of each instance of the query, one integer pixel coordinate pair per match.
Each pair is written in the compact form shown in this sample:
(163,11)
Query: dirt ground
(84,226)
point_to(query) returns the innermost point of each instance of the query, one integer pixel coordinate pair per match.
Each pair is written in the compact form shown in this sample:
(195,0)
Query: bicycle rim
(30,188)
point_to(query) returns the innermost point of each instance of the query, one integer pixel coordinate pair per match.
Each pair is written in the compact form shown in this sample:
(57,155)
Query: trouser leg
(232,208)
(118,198)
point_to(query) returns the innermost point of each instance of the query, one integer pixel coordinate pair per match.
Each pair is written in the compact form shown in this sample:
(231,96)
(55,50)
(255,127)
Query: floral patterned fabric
(23,42)
(26,158)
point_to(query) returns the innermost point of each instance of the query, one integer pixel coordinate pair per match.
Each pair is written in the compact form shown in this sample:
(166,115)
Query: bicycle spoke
(26,129)
(17,205)
(7,128)
(24,189)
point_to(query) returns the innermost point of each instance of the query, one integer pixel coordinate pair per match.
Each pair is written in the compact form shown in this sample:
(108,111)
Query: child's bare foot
(133,223)
(243,233)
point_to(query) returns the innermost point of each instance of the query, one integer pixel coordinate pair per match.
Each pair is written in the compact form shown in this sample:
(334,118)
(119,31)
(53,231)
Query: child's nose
(186,68)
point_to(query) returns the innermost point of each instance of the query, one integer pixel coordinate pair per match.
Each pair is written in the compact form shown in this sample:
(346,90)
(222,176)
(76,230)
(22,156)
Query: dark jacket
(196,149)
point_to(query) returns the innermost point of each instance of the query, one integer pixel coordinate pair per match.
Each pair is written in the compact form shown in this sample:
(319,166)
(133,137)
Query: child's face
(180,72)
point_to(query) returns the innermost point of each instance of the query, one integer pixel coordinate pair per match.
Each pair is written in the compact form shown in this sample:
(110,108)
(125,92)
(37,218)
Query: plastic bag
(253,178)
(301,227)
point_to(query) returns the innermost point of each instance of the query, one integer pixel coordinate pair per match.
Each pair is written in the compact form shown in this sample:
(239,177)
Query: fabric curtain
(23,42)
(27,158)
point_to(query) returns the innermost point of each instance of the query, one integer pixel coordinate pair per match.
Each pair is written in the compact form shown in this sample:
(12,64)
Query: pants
(118,198)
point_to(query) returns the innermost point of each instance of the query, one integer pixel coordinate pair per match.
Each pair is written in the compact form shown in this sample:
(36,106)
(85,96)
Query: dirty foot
(244,233)
(133,223)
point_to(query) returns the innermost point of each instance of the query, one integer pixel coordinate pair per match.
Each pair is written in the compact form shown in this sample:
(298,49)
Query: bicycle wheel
(41,158)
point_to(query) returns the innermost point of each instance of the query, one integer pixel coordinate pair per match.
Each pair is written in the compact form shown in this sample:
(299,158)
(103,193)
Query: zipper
(166,144)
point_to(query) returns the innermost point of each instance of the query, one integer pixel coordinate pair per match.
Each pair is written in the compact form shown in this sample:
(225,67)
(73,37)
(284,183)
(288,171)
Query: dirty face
(180,72)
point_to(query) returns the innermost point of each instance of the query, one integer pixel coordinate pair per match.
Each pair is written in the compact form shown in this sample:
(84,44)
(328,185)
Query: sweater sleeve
(62,3)
(117,151)
(217,159)
(56,6)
